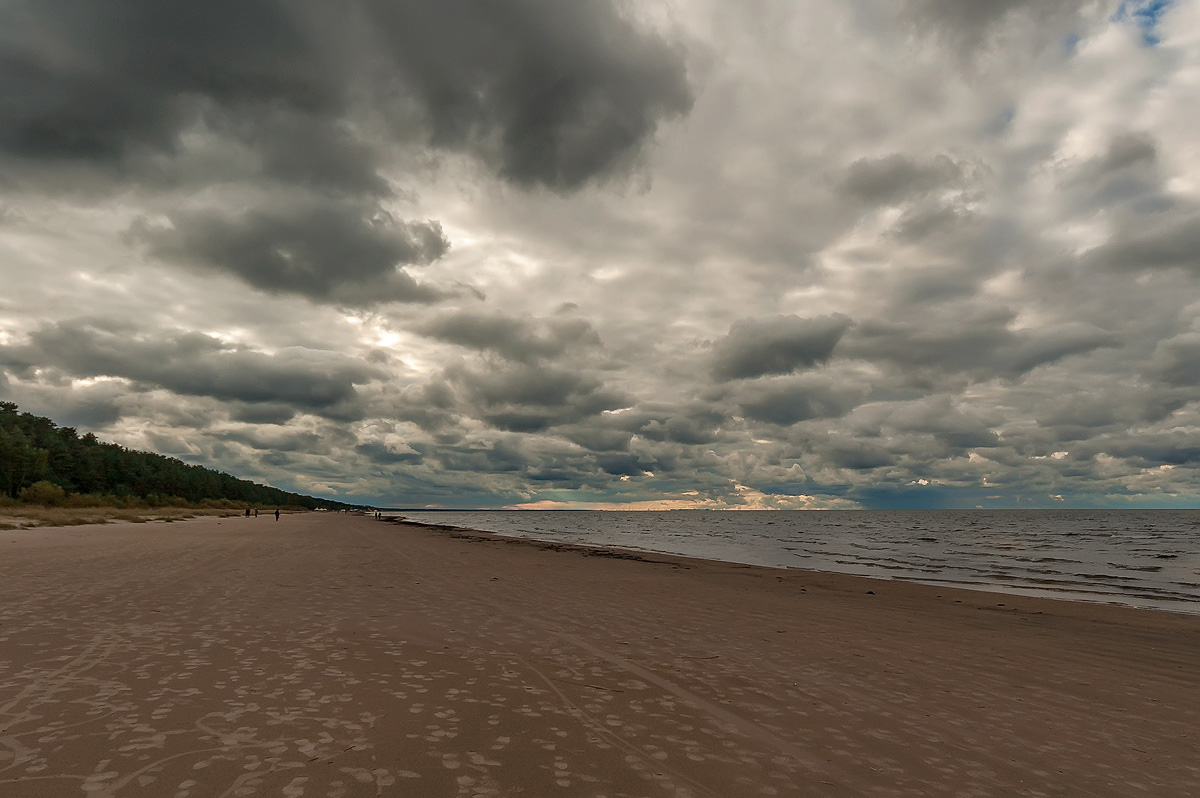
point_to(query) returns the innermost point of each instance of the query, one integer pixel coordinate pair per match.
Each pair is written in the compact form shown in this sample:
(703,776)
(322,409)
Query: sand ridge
(332,655)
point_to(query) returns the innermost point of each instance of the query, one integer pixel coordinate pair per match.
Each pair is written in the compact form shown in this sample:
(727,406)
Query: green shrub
(44,493)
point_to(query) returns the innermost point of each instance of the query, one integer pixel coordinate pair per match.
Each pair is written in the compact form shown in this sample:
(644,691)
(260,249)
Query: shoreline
(648,555)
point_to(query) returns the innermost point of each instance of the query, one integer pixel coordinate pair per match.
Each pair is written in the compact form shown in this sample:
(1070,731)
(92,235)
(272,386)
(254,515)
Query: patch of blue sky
(1145,14)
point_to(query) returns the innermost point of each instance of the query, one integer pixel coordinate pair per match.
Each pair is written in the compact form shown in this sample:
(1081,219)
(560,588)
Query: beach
(338,655)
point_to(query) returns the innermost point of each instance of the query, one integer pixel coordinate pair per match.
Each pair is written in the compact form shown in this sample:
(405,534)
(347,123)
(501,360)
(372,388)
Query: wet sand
(326,655)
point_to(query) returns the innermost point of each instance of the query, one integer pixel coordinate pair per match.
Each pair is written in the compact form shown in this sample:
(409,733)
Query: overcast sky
(666,253)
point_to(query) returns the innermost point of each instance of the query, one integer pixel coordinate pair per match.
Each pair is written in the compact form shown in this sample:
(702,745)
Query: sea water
(1143,558)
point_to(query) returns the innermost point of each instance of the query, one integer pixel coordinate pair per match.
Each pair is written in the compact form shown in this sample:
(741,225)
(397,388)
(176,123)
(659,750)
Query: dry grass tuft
(30,517)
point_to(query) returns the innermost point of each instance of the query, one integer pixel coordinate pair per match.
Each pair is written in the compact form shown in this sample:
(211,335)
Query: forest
(42,463)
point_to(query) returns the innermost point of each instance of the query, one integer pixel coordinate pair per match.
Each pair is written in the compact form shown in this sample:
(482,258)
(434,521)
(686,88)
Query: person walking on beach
(276,513)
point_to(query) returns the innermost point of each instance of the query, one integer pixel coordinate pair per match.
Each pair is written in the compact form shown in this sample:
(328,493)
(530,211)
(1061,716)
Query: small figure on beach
(247,512)
(256,512)
(276,513)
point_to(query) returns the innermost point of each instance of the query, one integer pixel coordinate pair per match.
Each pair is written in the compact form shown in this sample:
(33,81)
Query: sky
(654,254)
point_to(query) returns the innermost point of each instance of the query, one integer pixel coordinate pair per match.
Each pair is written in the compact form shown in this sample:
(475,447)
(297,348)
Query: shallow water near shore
(1141,558)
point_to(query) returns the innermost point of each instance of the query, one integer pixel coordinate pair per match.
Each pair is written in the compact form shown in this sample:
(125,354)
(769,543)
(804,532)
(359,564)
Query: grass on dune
(27,517)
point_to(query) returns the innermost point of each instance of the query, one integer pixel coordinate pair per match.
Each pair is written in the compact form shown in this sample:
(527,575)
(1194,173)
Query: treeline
(43,463)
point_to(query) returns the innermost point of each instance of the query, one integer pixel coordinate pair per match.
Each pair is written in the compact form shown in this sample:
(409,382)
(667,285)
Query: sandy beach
(333,655)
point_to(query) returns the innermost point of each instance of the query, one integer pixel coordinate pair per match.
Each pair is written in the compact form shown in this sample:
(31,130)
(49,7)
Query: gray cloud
(776,345)
(983,345)
(389,455)
(1177,361)
(196,365)
(262,412)
(971,25)
(300,149)
(896,177)
(276,440)
(1164,448)
(855,455)
(554,94)
(785,401)
(928,219)
(949,426)
(547,94)
(529,398)
(1128,149)
(516,338)
(345,251)
(1173,243)
(96,85)
(317,102)
(1126,181)
(88,407)
(689,424)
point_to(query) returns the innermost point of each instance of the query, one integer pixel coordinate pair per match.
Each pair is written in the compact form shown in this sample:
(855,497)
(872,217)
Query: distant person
(247,512)
(276,513)
(256,512)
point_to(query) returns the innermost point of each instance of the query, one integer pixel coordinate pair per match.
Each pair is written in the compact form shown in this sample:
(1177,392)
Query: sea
(1138,558)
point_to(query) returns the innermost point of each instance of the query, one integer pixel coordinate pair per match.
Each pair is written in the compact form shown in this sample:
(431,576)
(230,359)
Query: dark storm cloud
(693,424)
(1125,179)
(262,413)
(89,407)
(529,398)
(329,250)
(520,459)
(970,24)
(948,426)
(513,337)
(315,99)
(275,439)
(602,434)
(547,93)
(385,455)
(1079,416)
(1177,361)
(82,80)
(784,401)
(555,93)
(1128,149)
(927,219)
(917,435)
(1173,243)
(195,364)
(776,345)
(984,346)
(934,287)
(1151,449)
(897,177)
(856,455)
(1082,414)
(301,149)
(690,424)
